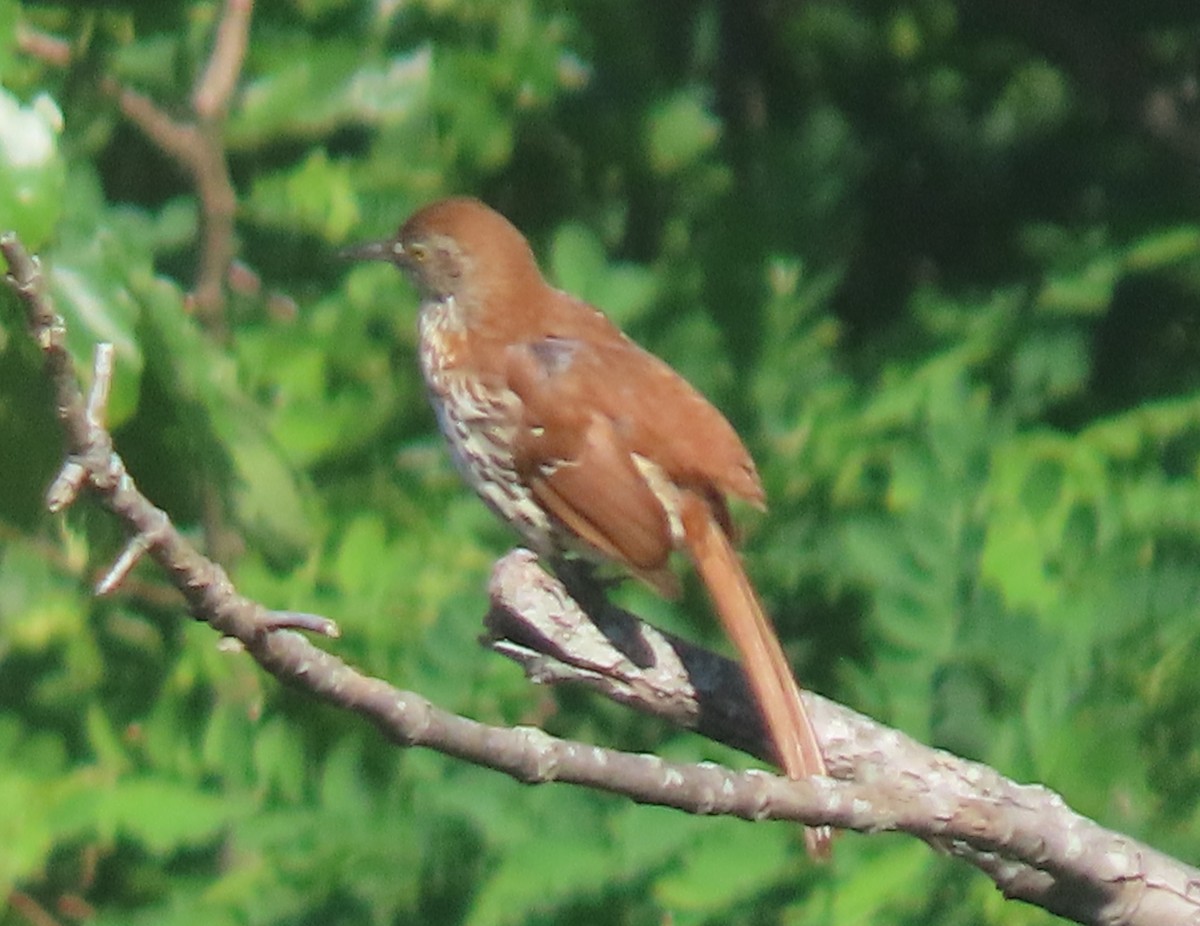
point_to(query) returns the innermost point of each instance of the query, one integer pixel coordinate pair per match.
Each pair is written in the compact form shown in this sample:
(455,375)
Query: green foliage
(939,262)
(32,171)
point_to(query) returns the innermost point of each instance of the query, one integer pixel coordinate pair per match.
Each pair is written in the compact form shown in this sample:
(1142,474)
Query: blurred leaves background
(940,263)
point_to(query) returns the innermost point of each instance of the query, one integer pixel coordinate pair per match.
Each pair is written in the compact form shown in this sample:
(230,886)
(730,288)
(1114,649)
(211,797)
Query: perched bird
(584,442)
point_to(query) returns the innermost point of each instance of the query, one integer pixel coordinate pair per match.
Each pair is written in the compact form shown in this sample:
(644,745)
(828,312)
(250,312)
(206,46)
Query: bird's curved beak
(389,250)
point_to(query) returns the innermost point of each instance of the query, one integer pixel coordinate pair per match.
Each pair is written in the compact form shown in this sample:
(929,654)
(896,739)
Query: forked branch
(197,146)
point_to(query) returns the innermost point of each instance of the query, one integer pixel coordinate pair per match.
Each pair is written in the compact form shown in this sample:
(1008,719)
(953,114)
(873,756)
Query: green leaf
(1163,248)
(270,497)
(730,861)
(1086,290)
(870,891)
(32,171)
(540,874)
(577,258)
(357,561)
(680,131)
(9,14)
(25,826)
(464,91)
(104,742)
(99,308)
(343,790)
(652,838)
(580,266)
(1036,482)
(313,88)
(316,196)
(38,612)
(1036,100)
(279,758)
(164,816)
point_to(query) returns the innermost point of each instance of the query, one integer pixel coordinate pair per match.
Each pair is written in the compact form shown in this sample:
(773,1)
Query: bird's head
(462,250)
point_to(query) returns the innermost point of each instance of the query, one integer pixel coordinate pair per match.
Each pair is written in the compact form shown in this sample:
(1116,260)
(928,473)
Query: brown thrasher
(583,441)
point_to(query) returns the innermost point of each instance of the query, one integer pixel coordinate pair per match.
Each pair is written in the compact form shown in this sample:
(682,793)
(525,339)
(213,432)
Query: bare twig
(66,486)
(210,99)
(97,397)
(33,912)
(137,547)
(1023,837)
(43,46)
(149,590)
(197,146)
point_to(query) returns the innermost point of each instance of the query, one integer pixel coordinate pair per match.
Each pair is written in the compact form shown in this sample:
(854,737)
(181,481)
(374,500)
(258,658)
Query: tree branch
(210,99)
(196,146)
(1023,837)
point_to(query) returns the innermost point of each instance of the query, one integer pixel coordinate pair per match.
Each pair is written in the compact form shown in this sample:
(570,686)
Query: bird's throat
(444,335)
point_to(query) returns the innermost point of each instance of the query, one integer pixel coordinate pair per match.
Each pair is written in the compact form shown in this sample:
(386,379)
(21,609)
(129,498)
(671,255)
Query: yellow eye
(418,252)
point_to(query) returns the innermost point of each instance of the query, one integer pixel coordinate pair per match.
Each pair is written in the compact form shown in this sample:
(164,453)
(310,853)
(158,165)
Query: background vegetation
(939,261)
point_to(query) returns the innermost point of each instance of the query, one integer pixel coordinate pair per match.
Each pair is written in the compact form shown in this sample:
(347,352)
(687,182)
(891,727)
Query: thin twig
(196,146)
(210,99)
(43,46)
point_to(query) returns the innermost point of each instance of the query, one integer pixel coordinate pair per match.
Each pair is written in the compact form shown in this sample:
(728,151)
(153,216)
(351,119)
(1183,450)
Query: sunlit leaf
(32,171)
(680,131)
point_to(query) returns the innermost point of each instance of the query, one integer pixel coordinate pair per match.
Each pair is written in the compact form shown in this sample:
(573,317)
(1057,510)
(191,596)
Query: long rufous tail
(766,666)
